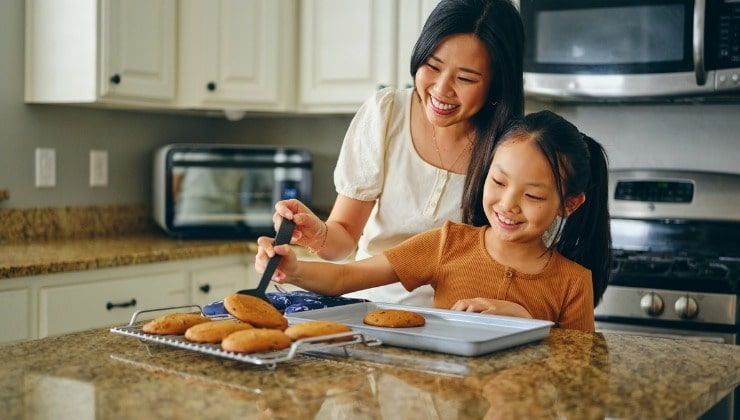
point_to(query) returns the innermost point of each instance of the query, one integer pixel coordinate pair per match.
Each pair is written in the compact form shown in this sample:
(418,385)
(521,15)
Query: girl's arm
(492,307)
(323,277)
(334,239)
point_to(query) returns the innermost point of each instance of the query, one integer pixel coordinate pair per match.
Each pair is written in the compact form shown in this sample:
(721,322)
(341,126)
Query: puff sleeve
(360,169)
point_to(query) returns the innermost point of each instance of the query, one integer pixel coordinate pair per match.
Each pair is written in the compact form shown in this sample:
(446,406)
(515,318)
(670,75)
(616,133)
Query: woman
(409,156)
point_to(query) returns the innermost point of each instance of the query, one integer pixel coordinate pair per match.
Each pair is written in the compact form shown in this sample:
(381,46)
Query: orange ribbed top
(453,259)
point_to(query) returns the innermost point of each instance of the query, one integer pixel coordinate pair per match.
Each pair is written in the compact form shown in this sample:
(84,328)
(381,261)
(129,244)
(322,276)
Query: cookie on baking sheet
(176,323)
(393,318)
(256,340)
(317,328)
(255,311)
(214,331)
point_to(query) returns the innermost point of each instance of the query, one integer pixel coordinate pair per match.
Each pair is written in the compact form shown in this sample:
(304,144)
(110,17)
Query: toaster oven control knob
(686,307)
(211,86)
(652,304)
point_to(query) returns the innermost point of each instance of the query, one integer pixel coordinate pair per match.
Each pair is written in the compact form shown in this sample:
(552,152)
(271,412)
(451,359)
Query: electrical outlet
(46,168)
(98,168)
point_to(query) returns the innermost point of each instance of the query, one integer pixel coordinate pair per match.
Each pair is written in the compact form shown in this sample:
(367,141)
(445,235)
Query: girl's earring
(493,103)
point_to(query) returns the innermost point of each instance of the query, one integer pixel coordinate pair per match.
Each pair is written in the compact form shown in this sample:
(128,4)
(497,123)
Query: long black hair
(579,165)
(498,25)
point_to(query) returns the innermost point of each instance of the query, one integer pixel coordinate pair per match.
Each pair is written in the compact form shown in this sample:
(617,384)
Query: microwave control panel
(728,35)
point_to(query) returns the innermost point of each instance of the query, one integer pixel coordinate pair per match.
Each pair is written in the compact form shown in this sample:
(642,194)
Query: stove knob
(652,304)
(686,307)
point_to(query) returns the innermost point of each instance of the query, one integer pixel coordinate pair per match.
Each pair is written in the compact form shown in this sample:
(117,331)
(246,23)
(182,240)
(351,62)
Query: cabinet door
(412,14)
(237,54)
(14,316)
(137,47)
(211,284)
(64,309)
(348,50)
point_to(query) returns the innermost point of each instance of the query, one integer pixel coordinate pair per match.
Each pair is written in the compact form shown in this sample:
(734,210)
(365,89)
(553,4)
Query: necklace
(439,154)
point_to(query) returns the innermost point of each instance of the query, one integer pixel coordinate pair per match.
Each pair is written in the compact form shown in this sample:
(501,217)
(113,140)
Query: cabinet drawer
(14,316)
(213,284)
(78,307)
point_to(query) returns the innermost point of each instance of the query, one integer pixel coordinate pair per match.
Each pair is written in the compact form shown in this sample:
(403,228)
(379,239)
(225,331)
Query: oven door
(726,407)
(614,48)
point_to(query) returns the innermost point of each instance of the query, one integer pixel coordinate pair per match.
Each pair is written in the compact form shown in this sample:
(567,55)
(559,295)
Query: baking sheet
(445,331)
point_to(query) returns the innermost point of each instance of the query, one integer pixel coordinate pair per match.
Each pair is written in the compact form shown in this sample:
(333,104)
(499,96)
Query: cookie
(176,323)
(215,331)
(315,329)
(393,318)
(256,340)
(255,311)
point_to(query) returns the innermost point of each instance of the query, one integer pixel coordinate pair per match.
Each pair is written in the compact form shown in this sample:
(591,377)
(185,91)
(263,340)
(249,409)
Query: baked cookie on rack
(316,329)
(214,331)
(255,311)
(257,340)
(393,318)
(173,324)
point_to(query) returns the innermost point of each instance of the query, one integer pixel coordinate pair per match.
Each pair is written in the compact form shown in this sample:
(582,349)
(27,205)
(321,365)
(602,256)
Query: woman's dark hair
(579,165)
(498,25)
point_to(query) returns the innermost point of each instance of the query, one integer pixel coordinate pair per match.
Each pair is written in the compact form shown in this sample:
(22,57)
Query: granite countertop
(29,258)
(570,374)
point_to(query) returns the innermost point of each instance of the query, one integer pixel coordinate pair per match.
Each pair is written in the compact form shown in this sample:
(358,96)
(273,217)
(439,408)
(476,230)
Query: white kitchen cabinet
(51,304)
(210,284)
(104,302)
(101,51)
(237,54)
(15,319)
(412,14)
(347,51)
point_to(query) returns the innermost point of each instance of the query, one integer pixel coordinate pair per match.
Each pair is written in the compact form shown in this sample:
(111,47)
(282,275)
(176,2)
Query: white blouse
(378,162)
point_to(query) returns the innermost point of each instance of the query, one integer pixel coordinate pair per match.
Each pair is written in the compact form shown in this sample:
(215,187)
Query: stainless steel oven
(676,259)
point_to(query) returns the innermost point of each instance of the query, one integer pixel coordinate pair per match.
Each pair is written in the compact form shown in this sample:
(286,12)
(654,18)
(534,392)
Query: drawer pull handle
(205,288)
(111,305)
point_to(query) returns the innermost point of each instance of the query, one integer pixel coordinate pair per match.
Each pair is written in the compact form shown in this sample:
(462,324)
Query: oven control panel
(655,191)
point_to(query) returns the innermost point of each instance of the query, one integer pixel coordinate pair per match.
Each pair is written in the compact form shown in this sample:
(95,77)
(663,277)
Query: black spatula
(283,237)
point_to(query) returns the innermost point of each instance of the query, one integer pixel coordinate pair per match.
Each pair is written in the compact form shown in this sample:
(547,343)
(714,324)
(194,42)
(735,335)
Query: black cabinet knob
(409,85)
(205,288)
(115,79)
(111,305)
(382,86)
(211,86)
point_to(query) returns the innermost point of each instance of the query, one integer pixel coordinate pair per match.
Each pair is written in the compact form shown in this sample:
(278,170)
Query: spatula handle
(285,231)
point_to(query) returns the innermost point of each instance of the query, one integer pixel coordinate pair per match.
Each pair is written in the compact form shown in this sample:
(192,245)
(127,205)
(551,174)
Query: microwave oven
(631,49)
(226,191)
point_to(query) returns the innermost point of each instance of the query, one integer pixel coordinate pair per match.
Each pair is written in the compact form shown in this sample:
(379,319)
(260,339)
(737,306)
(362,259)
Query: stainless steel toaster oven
(226,191)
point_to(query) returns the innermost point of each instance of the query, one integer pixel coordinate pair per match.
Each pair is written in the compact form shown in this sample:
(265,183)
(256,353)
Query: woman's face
(454,80)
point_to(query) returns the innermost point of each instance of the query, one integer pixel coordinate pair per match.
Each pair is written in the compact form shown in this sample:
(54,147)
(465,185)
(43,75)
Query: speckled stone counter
(44,257)
(97,374)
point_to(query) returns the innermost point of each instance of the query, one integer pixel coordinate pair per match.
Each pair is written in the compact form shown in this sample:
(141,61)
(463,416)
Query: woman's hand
(288,267)
(491,307)
(309,231)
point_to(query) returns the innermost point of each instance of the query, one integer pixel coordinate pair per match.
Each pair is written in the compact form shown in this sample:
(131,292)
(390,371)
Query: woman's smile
(440,107)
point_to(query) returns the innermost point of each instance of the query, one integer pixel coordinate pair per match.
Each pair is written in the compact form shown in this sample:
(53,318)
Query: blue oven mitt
(290,302)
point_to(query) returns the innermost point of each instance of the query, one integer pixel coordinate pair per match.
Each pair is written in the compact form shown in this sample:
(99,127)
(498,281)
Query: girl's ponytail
(586,237)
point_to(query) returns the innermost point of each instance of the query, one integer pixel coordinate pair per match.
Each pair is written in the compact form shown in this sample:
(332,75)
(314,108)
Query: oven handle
(700,71)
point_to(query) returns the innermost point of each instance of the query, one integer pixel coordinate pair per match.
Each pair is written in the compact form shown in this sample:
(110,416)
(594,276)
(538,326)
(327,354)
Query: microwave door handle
(699,14)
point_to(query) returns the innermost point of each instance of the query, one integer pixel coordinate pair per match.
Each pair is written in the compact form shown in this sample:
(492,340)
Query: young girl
(545,179)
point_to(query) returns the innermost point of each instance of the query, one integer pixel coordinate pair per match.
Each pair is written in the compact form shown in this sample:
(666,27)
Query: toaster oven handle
(700,72)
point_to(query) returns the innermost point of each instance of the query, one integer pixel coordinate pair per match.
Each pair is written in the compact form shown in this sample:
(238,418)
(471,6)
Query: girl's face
(520,198)
(454,80)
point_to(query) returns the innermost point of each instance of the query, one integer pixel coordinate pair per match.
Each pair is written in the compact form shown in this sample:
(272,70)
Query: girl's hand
(288,266)
(309,231)
(491,307)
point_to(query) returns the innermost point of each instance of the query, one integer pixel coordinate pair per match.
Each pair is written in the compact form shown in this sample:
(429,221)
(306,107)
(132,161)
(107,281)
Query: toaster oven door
(228,196)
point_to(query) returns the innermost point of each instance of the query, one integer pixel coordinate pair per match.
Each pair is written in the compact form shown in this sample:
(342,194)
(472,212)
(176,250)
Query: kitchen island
(570,374)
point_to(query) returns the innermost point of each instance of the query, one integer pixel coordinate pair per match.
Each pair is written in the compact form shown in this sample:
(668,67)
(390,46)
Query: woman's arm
(334,239)
(324,277)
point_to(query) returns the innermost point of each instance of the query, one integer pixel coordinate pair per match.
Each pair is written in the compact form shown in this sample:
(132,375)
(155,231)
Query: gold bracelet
(323,242)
